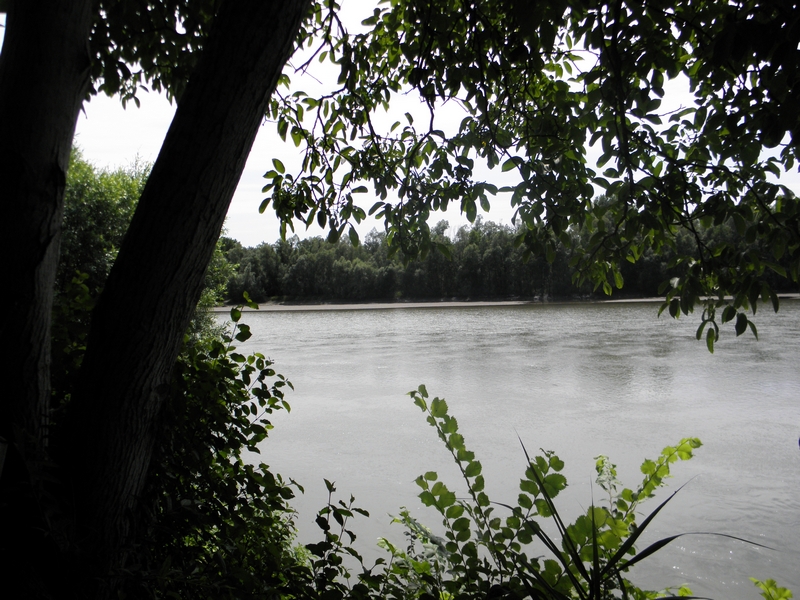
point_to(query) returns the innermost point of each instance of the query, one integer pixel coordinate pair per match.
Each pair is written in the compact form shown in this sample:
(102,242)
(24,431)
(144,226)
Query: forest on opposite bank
(479,262)
(482,261)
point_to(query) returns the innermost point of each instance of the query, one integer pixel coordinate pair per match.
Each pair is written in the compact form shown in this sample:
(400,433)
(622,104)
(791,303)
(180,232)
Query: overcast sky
(111,136)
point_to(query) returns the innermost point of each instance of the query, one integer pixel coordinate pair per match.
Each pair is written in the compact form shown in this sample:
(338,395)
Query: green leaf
(728,313)
(674,308)
(473,469)
(543,508)
(470,210)
(554,483)
(438,408)
(741,323)
(244,333)
(427,498)
(353,234)
(699,334)
(297,136)
(447,499)
(770,590)
(454,512)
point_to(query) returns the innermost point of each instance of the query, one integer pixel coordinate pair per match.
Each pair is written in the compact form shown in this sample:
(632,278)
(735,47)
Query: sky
(111,136)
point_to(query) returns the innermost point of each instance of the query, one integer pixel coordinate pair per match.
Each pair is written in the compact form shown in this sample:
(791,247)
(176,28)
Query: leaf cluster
(485,554)
(136,44)
(213,522)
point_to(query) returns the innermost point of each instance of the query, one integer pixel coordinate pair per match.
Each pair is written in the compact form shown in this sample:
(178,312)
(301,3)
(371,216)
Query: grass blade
(594,580)
(654,547)
(562,530)
(628,543)
(552,593)
(556,552)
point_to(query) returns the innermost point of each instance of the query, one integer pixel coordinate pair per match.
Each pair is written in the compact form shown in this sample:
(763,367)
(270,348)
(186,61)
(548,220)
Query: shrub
(213,525)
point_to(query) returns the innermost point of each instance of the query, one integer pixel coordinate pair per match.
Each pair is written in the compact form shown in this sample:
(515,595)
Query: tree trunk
(44,76)
(140,319)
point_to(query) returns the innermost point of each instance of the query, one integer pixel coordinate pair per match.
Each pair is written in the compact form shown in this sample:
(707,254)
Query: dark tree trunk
(44,76)
(107,436)
(139,322)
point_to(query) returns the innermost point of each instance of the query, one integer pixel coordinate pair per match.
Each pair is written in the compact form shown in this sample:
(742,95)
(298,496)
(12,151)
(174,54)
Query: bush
(484,554)
(213,525)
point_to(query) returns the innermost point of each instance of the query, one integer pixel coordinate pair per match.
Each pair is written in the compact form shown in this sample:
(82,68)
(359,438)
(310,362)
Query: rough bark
(44,75)
(138,325)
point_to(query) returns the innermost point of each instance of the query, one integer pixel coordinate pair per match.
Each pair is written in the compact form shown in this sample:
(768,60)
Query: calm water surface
(580,380)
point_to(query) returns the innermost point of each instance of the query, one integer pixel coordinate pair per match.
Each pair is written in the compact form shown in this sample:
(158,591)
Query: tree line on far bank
(482,261)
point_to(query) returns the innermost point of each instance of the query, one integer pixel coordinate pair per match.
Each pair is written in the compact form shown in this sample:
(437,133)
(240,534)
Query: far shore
(292,306)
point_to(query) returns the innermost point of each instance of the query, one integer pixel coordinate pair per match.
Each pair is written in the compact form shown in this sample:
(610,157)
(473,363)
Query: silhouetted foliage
(481,261)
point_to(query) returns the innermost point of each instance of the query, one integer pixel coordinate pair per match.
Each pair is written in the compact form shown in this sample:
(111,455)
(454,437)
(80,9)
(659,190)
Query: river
(578,379)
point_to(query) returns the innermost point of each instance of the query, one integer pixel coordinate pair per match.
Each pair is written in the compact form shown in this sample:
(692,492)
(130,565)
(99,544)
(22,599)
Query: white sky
(111,136)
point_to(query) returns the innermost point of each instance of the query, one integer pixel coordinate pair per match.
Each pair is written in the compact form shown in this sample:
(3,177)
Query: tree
(530,107)
(104,440)
(98,206)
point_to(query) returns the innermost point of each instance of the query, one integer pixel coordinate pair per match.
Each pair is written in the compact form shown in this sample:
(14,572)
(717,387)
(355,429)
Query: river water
(578,379)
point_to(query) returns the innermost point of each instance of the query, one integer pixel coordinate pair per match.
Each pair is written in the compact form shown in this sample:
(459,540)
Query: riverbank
(280,306)
(277,306)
